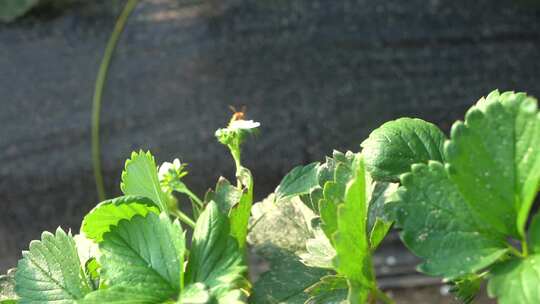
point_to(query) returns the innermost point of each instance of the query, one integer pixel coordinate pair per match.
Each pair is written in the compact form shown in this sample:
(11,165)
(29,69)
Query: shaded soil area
(431,295)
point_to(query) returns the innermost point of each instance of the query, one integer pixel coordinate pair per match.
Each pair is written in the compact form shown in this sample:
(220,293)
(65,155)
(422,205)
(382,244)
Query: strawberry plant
(134,249)
(463,202)
(340,213)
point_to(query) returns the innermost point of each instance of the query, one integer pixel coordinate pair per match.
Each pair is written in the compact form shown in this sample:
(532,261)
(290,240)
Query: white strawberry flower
(236,131)
(243,125)
(167,167)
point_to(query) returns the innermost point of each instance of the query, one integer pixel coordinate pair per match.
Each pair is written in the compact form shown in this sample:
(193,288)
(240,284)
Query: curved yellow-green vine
(98,93)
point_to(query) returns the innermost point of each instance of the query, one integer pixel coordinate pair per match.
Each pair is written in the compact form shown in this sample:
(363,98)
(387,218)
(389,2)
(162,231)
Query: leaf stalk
(183,217)
(194,197)
(524,248)
(235,152)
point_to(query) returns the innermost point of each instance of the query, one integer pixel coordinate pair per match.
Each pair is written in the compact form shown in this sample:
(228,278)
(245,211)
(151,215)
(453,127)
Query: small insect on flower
(237,129)
(238,121)
(238,115)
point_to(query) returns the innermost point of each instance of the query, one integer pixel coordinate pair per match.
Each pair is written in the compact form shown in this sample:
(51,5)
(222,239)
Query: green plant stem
(194,197)
(515,252)
(354,293)
(98,93)
(236,156)
(235,152)
(196,211)
(379,294)
(524,248)
(184,218)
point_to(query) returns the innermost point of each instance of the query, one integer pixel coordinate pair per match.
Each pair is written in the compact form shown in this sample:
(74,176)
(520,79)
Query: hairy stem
(195,198)
(183,217)
(98,93)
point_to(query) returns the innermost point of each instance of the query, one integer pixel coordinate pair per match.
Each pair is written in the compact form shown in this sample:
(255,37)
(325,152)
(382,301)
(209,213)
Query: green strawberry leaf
(516,281)
(299,181)
(378,233)
(330,195)
(458,216)
(226,196)
(278,234)
(239,219)
(465,289)
(12,9)
(235,202)
(330,289)
(391,149)
(379,193)
(110,212)
(353,257)
(88,252)
(333,170)
(286,280)
(333,195)
(239,215)
(7,287)
(122,294)
(378,225)
(438,224)
(50,272)
(196,293)
(140,178)
(215,258)
(91,269)
(153,247)
(312,198)
(495,159)
(534,234)
(319,251)
(345,158)
(86,249)
(327,170)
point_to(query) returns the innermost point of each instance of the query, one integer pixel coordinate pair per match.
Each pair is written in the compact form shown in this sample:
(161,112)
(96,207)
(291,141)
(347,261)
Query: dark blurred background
(318,74)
